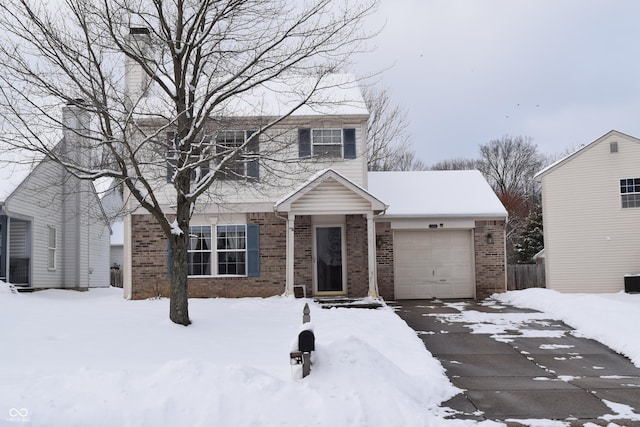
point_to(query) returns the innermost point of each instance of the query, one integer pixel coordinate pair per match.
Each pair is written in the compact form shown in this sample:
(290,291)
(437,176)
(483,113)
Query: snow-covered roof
(333,94)
(117,233)
(436,194)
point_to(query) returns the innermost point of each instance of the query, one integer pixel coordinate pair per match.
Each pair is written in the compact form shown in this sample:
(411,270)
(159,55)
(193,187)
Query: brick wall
(384,256)
(490,258)
(357,260)
(303,258)
(150,263)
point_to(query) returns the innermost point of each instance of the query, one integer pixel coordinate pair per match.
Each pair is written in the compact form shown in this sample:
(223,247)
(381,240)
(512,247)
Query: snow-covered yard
(91,358)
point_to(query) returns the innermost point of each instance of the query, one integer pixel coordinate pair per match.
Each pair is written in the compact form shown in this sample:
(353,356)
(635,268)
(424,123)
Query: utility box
(632,283)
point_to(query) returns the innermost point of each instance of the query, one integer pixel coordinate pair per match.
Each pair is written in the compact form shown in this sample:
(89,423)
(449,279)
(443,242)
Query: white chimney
(76,130)
(136,80)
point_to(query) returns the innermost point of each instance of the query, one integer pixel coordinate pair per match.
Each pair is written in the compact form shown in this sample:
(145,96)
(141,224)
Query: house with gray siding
(591,215)
(53,231)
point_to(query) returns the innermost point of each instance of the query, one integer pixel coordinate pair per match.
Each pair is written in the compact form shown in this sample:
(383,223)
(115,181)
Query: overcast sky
(563,72)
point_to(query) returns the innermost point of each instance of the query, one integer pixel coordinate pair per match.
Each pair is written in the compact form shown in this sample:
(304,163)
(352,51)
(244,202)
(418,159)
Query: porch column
(291,219)
(371,246)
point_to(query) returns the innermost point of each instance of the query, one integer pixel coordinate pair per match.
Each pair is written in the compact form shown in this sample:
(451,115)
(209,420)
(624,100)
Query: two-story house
(305,214)
(591,215)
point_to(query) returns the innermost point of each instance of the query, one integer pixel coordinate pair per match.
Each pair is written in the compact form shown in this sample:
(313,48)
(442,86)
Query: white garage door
(433,264)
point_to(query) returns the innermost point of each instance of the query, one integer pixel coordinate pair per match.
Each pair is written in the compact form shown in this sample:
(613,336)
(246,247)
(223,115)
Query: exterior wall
(38,199)
(150,263)
(591,242)
(303,258)
(357,256)
(490,261)
(281,170)
(384,257)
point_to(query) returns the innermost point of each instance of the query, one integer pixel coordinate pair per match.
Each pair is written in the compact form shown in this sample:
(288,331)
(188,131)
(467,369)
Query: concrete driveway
(515,364)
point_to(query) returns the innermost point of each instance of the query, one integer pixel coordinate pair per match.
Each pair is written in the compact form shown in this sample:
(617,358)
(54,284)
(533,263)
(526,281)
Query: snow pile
(612,319)
(92,358)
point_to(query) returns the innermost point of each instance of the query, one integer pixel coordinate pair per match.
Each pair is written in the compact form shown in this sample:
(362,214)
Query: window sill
(219,276)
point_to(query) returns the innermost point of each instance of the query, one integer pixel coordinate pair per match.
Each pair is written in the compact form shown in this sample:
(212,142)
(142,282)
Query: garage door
(433,264)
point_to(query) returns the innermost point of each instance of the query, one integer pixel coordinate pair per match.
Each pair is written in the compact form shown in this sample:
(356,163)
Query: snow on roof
(117,233)
(335,94)
(436,194)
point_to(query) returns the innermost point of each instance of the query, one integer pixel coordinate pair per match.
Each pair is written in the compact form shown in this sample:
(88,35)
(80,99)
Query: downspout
(288,279)
(375,272)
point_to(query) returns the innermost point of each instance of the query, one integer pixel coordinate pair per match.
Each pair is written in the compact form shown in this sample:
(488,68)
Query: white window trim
(52,250)
(636,194)
(213,259)
(341,143)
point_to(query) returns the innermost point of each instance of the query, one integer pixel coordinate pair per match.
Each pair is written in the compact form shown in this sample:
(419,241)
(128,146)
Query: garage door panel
(433,264)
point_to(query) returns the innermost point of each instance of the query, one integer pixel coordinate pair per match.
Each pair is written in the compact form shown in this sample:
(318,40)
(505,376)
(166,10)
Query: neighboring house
(591,216)
(53,232)
(112,204)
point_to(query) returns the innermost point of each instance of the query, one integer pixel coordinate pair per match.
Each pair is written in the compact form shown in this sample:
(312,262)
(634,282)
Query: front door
(329,274)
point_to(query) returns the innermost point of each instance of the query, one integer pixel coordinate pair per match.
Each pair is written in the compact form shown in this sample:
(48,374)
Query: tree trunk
(179,300)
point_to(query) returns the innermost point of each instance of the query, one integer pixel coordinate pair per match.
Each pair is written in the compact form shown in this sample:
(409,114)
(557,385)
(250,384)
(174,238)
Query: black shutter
(253,149)
(253,250)
(304,142)
(349,143)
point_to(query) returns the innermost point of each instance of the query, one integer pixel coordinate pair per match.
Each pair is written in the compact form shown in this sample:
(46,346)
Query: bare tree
(455,164)
(509,165)
(388,139)
(190,64)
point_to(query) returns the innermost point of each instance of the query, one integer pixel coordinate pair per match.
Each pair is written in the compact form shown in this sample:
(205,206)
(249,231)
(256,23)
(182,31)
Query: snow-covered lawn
(91,358)
(612,319)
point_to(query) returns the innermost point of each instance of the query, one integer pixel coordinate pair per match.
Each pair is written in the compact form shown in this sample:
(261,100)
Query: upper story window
(630,192)
(327,143)
(243,165)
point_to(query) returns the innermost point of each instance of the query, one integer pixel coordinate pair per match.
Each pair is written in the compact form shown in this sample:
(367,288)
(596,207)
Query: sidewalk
(519,365)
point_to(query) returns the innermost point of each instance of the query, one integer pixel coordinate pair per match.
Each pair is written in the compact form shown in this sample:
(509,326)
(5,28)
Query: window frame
(629,193)
(52,249)
(214,251)
(314,144)
(240,250)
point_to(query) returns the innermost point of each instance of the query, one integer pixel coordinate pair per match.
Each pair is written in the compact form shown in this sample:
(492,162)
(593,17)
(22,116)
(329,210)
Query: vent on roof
(613,147)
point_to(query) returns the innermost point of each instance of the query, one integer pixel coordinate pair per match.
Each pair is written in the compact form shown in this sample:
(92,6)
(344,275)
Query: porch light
(490,239)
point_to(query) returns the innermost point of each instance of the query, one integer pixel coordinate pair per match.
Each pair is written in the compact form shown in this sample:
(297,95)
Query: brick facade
(490,258)
(384,257)
(150,260)
(357,263)
(150,263)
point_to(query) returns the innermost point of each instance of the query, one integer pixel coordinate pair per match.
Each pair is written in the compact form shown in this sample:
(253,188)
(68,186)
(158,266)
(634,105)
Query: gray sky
(563,72)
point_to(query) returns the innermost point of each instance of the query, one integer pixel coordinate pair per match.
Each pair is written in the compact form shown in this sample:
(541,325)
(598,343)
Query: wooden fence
(116,277)
(523,276)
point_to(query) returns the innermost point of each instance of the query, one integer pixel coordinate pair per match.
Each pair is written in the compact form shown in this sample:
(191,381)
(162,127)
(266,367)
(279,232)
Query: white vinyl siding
(591,242)
(280,177)
(433,264)
(330,196)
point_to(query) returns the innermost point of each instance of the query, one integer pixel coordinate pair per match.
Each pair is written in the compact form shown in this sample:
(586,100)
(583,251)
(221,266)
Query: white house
(53,232)
(591,215)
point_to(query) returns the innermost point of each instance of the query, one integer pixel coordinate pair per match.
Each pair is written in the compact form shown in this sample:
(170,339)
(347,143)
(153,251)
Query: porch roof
(328,192)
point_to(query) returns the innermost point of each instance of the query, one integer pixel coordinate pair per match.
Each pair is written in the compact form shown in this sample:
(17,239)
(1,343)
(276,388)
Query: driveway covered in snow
(520,365)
